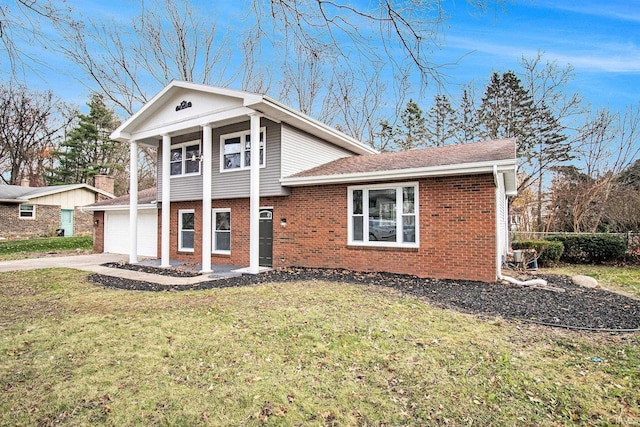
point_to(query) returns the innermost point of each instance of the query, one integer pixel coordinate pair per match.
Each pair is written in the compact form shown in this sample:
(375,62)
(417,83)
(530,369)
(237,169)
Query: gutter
(446,170)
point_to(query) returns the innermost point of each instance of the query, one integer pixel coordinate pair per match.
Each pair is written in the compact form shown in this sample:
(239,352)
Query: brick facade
(47,219)
(82,223)
(98,231)
(457,225)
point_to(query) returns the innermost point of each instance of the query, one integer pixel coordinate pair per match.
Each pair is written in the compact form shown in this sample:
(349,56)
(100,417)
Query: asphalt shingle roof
(477,152)
(144,197)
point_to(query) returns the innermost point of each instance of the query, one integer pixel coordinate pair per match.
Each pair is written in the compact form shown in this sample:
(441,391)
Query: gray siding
(301,151)
(231,184)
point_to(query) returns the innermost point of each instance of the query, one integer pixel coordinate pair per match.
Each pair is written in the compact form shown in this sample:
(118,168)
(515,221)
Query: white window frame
(398,215)
(183,161)
(243,152)
(213,231)
(32,212)
(181,248)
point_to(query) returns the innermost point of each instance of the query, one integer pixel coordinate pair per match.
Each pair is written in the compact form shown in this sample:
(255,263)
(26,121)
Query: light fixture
(283,222)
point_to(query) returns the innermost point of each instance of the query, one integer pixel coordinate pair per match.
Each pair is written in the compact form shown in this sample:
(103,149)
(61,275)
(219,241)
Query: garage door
(116,232)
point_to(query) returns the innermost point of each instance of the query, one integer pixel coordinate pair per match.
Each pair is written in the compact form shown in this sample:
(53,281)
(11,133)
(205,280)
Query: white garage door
(116,232)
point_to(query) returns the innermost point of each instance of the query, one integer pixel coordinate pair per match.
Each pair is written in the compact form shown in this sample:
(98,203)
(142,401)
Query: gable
(184,104)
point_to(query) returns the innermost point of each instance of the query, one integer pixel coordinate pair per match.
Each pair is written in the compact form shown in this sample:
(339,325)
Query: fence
(632,239)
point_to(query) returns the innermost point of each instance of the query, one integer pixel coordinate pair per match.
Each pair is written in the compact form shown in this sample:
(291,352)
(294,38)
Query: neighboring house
(48,211)
(308,195)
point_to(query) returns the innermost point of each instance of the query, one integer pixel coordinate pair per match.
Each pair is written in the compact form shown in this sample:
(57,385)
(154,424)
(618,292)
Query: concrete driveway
(92,263)
(81,262)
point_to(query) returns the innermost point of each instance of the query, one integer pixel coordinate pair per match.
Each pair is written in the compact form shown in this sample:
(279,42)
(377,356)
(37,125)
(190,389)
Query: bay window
(383,215)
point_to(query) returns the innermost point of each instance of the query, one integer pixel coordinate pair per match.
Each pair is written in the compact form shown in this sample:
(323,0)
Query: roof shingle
(477,152)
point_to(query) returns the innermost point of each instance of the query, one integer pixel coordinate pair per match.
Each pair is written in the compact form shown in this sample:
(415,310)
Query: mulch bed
(577,307)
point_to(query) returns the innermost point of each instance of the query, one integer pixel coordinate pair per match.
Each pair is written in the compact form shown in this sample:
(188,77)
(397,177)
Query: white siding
(502,230)
(301,151)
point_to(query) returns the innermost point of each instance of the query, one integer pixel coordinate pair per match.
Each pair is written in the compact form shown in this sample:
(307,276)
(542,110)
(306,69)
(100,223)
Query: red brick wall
(457,231)
(98,232)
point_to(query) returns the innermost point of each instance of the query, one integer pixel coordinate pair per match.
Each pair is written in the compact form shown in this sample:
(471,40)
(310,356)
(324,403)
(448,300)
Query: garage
(116,232)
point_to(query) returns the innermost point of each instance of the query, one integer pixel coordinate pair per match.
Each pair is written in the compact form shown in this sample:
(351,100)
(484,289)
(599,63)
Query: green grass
(307,353)
(15,249)
(625,279)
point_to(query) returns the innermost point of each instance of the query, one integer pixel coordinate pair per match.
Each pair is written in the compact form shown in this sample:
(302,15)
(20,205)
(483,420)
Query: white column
(133,203)
(254,197)
(166,201)
(206,158)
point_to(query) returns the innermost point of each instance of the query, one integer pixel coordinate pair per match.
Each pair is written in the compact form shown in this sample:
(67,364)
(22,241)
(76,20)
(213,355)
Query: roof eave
(90,208)
(503,166)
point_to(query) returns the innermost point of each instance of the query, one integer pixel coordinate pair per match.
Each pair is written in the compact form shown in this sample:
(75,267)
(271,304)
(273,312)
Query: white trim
(252,102)
(214,229)
(254,195)
(146,206)
(243,151)
(397,186)
(180,247)
(165,220)
(32,211)
(183,160)
(207,164)
(133,202)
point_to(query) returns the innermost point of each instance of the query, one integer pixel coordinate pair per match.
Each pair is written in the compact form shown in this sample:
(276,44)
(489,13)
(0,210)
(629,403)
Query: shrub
(549,252)
(591,248)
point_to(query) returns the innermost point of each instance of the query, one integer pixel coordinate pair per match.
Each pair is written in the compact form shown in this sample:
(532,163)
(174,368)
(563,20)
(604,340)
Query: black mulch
(577,307)
(173,272)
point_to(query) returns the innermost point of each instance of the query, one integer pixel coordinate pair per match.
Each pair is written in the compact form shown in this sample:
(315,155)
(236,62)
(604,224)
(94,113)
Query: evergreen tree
(507,112)
(87,150)
(414,132)
(440,122)
(386,137)
(466,120)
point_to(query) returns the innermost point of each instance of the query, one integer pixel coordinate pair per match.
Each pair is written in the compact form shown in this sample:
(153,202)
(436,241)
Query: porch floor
(219,270)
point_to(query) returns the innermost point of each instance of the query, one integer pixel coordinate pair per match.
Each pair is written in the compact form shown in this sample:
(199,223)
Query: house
(111,218)
(308,195)
(48,211)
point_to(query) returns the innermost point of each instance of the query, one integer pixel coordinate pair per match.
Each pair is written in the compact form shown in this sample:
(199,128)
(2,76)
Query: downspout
(498,259)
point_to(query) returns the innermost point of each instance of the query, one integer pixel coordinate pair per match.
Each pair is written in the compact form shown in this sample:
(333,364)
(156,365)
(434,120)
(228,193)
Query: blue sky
(600,39)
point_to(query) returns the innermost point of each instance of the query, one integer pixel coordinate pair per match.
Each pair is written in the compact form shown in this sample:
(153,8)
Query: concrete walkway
(93,263)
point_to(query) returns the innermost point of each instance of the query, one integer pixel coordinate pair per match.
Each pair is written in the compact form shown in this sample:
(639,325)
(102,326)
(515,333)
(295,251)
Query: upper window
(186,230)
(391,213)
(27,211)
(185,159)
(221,231)
(235,150)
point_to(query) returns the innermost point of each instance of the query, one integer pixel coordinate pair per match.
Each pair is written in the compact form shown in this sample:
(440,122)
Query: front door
(66,221)
(266,238)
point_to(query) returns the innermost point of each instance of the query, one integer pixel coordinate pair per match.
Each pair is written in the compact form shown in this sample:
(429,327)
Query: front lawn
(302,353)
(625,279)
(17,249)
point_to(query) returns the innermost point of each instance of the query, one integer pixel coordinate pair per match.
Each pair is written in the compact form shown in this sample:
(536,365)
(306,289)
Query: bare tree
(610,143)
(169,41)
(21,23)
(30,127)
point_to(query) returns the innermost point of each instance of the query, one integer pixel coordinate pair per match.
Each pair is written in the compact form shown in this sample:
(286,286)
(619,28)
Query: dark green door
(66,221)
(266,238)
